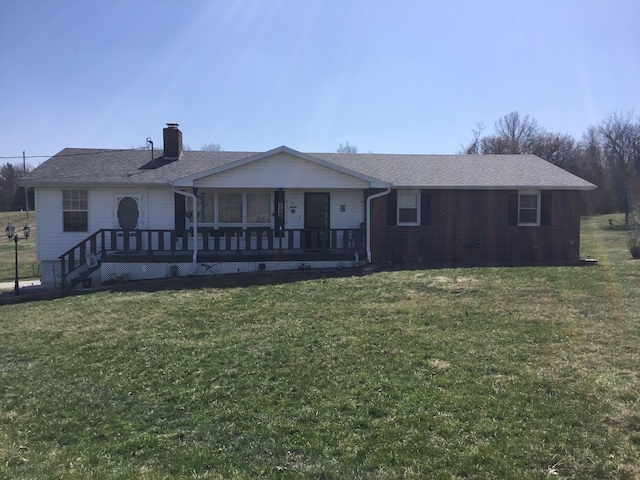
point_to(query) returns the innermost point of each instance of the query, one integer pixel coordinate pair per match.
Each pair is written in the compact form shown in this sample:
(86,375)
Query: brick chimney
(172,141)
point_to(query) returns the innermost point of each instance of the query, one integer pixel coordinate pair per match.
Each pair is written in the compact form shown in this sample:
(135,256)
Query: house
(109,215)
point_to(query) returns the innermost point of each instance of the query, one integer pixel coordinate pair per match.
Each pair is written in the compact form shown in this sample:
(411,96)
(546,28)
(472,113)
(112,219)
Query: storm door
(128,213)
(316,221)
(128,217)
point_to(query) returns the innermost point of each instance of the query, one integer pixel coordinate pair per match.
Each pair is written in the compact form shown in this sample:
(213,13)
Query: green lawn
(466,373)
(28,266)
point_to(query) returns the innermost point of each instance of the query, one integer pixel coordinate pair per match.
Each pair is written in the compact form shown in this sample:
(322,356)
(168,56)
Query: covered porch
(222,245)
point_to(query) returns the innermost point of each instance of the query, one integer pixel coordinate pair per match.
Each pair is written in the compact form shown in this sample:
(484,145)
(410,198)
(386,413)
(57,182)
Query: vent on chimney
(172,141)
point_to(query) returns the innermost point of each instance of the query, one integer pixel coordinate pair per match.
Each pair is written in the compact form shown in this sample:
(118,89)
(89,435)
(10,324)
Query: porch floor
(227,256)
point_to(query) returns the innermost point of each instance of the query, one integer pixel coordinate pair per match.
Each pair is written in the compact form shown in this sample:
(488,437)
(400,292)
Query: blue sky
(402,76)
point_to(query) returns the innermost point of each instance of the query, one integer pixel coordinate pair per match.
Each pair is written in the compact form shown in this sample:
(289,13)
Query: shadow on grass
(229,281)
(616,227)
(243,280)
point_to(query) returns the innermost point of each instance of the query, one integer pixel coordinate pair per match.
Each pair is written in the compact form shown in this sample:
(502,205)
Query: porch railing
(156,244)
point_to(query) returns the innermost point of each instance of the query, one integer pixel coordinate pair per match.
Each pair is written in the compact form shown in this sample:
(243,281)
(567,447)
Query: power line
(93,152)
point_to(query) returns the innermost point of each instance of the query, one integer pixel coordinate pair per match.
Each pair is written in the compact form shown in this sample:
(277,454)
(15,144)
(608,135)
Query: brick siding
(470,227)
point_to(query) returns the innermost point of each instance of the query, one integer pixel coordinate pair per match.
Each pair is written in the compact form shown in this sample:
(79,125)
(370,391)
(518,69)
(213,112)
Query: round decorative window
(128,213)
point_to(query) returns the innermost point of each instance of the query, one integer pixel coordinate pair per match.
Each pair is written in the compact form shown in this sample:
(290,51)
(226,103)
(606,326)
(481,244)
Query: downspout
(195,225)
(368,239)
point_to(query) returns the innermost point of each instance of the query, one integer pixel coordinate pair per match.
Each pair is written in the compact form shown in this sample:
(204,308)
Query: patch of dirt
(439,364)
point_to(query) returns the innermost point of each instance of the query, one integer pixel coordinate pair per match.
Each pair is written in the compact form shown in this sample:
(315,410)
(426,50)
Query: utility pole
(26,189)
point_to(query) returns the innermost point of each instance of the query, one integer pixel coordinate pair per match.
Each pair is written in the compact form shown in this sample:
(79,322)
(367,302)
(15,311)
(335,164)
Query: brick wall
(470,227)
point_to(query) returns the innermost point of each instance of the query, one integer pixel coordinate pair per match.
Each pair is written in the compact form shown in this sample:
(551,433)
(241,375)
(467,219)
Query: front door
(316,220)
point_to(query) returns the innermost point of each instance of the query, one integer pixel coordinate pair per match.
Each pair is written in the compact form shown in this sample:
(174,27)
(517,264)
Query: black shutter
(392,208)
(278,212)
(512,208)
(180,211)
(545,208)
(425,207)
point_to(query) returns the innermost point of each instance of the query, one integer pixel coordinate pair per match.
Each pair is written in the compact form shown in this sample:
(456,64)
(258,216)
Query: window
(244,208)
(230,208)
(75,215)
(408,208)
(259,208)
(529,208)
(205,207)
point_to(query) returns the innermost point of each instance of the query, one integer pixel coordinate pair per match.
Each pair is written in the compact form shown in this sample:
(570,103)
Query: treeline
(608,155)
(12,197)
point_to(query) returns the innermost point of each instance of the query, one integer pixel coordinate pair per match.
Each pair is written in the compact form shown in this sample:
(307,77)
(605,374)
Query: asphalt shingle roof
(73,166)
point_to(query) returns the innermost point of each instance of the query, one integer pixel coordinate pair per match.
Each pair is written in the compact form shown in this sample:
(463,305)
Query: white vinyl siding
(281,171)
(156,212)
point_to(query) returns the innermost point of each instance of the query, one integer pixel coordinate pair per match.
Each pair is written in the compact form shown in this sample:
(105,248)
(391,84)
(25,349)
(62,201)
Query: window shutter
(180,211)
(425,208)
(392,208)
(545,208)
(512,208)
(278,212)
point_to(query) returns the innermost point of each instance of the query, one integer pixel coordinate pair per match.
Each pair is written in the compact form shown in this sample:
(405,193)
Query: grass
(465,373)
(28,266)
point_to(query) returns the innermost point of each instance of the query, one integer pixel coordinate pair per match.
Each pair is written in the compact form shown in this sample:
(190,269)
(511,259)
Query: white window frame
(415,193)
(538,207)
(75,210)
(243,223)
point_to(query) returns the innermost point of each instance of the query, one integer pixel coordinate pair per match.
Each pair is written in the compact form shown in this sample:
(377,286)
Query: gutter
(195,225)
(368,239)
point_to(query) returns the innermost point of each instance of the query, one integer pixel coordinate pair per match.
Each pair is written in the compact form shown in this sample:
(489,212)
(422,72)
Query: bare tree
(591,167)
(619,139)
(9,176)
(346,148)
(512,134)
(474,146)
(212,147)
(559,149)
(518,134)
